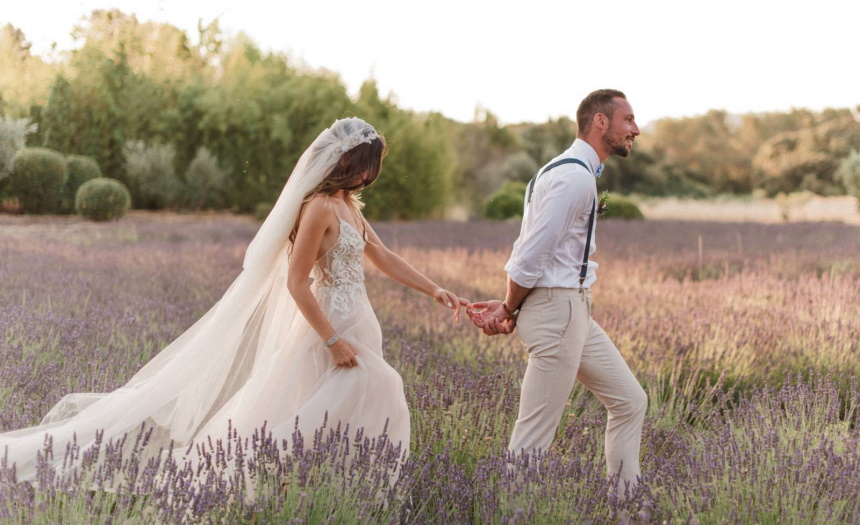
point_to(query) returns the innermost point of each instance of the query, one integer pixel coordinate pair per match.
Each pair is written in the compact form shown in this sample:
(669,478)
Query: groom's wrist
(510,312)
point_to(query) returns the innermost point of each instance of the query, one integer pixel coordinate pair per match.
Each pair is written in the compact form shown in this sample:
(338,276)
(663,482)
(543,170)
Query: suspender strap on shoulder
(584,270)
(531,186)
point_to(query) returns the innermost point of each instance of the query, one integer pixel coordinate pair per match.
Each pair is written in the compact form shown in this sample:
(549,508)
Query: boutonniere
(601,203)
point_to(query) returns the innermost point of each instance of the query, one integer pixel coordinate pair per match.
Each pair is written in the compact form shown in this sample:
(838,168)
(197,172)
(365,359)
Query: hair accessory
(365,136)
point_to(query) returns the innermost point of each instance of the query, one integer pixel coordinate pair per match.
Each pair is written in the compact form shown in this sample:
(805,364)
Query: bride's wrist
(436,292)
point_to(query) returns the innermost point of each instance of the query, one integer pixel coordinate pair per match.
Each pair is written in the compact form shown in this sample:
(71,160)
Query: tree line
(147,103)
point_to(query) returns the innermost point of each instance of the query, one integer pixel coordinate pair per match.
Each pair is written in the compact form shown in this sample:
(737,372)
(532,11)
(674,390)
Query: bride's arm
(398,269)
(316,218)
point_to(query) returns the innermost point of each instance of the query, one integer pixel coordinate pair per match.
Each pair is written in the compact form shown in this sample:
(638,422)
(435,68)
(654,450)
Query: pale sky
(530,60)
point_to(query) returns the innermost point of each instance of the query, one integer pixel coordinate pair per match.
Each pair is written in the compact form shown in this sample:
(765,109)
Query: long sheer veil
(182,387)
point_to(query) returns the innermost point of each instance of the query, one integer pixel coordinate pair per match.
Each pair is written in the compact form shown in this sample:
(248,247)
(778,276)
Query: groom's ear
(600,121)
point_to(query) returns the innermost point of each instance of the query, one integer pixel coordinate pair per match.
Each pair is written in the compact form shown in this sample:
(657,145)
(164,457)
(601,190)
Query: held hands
(449,300)
(491,317)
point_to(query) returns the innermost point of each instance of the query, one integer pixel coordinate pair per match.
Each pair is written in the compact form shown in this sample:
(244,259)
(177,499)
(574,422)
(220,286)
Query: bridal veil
(177,393)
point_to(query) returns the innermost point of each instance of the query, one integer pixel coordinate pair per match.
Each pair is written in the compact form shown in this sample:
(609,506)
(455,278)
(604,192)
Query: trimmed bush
(102,199)
(507,202)
(37,179)
(618,207)
(79,169)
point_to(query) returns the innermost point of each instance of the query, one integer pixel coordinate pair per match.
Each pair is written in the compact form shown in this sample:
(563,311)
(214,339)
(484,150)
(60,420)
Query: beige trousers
(565,344)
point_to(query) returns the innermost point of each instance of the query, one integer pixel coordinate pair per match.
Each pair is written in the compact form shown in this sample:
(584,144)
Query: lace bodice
(339,275)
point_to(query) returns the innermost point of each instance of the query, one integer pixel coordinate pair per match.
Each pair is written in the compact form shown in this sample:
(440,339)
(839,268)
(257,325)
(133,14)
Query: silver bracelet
(335,338)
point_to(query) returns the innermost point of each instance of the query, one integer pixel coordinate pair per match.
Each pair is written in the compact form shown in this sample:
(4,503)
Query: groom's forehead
(622,107)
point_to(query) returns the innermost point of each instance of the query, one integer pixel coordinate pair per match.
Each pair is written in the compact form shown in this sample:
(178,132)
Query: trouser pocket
(544,318)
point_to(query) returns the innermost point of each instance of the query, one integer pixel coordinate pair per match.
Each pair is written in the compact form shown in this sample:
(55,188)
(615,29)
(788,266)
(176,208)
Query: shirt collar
(582,150)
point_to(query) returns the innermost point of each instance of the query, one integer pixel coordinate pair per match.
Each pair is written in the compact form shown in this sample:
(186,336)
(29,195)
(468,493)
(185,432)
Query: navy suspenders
(530,189)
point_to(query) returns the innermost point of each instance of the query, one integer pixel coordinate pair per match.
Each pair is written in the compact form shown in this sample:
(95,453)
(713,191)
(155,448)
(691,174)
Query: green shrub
(37,179)
(152,177)
(102,199)
(848,173)
(520,166)
(206,182)
(618,207)
(262,210)
(79,169)
(506,202)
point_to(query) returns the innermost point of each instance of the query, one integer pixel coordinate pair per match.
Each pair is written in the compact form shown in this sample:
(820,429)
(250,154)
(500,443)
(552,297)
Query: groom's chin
(622,151)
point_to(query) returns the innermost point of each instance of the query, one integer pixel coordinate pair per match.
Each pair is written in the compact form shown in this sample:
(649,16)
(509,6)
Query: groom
(549,294)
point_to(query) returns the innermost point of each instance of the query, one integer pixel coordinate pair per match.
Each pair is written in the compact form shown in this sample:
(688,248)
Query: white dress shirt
(551,245)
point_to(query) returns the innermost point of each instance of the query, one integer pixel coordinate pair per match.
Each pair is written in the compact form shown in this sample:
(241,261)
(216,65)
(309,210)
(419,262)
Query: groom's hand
(490,316)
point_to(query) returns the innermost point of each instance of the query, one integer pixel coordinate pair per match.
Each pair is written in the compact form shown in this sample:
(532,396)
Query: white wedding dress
(304,383)
(253,359)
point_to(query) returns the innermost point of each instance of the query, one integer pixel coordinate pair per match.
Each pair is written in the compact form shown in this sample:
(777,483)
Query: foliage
(79,169)
(807,159)
(87,113)
(25,79)
(205,182)
(38,178)
(416,175)
(507,202)
(13,137)
(102,199)
(262,210)
(256,119)
(132,80)
(619,207)
(520,166)
(543,142)
(481,148)
(848,173)
(151,174)
(707,147)
(57,133)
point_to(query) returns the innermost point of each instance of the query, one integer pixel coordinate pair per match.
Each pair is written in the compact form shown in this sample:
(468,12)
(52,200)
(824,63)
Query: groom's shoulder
(569,174)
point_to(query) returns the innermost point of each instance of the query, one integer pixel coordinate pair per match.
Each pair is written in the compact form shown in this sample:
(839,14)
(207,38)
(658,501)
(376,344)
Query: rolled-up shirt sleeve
(552,214)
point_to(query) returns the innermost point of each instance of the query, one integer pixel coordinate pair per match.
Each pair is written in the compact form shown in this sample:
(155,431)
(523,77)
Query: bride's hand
(447,299)
(343,354)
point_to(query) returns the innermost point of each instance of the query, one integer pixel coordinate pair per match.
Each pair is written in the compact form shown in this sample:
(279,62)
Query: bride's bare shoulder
(319,204)
(319,210)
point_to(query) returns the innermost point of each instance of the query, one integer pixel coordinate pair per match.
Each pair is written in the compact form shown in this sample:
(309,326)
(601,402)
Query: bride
(293,344)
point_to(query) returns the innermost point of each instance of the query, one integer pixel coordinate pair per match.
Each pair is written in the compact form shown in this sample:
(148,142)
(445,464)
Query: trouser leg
(603,371)
(554,329)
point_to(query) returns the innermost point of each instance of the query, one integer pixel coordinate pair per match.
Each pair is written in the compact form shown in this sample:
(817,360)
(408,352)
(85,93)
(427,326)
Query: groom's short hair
(599,101)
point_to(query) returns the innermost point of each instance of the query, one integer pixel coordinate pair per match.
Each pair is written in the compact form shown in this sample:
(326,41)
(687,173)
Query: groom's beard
(618,144)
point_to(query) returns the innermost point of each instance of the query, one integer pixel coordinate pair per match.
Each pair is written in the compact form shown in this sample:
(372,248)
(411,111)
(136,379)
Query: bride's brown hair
(355,170)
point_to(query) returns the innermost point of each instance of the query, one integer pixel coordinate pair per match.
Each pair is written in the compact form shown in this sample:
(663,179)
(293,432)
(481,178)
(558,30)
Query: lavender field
(746,338)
